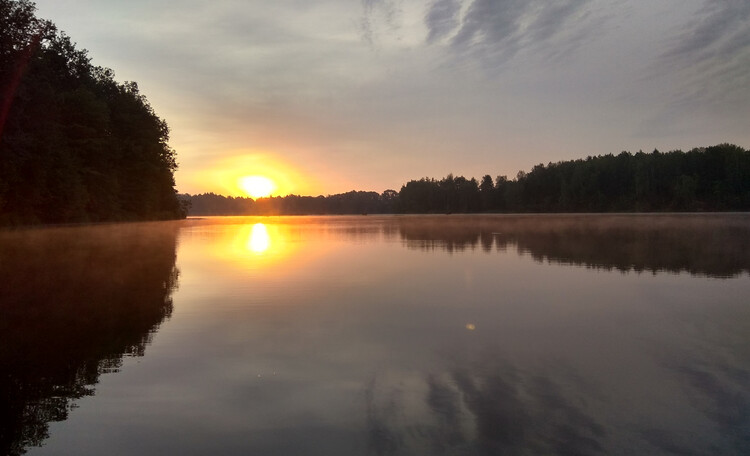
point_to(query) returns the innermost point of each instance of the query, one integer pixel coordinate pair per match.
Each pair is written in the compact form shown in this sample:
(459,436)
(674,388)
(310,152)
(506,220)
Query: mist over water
(617,334)
(75,301)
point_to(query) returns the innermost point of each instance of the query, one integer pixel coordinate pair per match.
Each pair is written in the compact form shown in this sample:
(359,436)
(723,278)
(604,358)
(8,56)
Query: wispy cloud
(714,50)
(490,31)
(720,30)
(442,18)
(374,11)
(706,64)
(494,31)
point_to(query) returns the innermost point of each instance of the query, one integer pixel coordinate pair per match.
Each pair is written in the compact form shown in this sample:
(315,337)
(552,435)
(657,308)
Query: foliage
(75,145)
(715,178)
(353,202)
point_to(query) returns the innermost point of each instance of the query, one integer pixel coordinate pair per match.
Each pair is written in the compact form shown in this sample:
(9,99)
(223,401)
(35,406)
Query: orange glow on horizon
(256,175)
(257,186)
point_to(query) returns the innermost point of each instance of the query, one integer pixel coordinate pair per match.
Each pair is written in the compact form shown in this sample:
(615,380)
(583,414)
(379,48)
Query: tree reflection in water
(75,301)
(713,245)
(479,363)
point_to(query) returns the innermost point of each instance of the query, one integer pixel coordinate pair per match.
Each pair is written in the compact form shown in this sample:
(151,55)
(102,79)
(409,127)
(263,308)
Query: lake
(378,335)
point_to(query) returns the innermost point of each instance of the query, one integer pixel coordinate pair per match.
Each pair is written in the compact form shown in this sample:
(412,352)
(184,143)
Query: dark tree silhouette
(715,178)
(353,202)
(75,145)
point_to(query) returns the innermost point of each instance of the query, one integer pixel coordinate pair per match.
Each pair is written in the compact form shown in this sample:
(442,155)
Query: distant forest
(75,145)
(714,178)
(353,202)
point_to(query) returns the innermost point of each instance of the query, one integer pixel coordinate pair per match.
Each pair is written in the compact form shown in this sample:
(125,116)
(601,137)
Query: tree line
(75,145)
(353,202)
(715,178)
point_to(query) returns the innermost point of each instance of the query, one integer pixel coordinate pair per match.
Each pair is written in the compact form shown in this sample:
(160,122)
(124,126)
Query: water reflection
(252,242)
(709,244)
(74,302)
(513,414)
(259,240)
(491,406)
(391,335)
(713,245)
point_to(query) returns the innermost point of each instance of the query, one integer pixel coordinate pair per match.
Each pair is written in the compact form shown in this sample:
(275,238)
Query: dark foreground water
(445,335)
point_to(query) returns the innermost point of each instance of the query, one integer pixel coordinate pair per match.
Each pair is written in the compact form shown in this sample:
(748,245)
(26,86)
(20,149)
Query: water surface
(460,335)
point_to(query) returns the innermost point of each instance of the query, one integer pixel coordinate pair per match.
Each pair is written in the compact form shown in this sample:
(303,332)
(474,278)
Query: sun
(257,186)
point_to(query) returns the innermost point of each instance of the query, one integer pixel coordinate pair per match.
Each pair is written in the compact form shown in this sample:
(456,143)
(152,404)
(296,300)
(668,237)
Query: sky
(327,96)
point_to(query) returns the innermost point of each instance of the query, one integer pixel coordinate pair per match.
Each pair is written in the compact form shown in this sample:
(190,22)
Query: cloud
(705,68)
(494,31)
(490,31)
(720,30)
(713,52)
(442,18)
(509,83)
(489,24)
(388,11)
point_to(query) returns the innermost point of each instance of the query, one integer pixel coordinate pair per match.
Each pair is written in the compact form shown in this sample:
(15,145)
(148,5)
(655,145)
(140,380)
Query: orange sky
(224,175)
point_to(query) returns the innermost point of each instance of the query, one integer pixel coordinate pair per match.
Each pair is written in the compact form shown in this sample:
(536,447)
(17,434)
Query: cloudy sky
(327,96)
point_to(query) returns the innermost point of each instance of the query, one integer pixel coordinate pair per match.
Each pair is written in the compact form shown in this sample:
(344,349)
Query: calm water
(449,335)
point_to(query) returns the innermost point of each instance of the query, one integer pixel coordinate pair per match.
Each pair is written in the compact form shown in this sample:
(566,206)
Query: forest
(715,178)
(75,145)
(354,202)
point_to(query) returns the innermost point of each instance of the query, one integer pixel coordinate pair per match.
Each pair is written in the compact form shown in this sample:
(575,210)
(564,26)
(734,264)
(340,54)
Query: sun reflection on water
(261,245)
(259,240)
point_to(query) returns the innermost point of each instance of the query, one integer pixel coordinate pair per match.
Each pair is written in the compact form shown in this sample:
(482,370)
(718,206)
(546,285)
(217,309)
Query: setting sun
(257,186)
(248,173)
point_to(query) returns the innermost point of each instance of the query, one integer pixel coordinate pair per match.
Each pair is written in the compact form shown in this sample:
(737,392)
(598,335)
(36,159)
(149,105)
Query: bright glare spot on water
(259,240)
